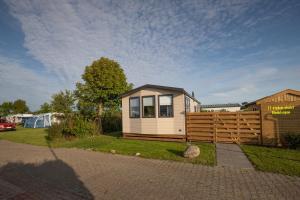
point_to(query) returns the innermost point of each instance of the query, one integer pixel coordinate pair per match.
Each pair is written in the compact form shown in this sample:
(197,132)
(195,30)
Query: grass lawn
(105,143)
(276,160)
(26,135)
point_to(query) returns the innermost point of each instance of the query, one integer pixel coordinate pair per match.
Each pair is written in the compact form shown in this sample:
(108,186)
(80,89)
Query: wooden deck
(157,137)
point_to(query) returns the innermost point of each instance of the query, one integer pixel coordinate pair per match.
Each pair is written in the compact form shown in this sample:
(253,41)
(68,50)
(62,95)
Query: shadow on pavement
(51,179)
(48,180)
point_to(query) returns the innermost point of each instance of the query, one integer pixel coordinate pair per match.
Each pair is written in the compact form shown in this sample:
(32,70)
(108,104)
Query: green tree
(6,108)
(63,102)
(104,81)
(19,106)
(45,108)
(87,109)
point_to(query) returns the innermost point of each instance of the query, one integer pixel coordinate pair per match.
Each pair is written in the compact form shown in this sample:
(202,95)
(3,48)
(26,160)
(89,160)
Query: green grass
(26,135)
(278,160)
(105,143)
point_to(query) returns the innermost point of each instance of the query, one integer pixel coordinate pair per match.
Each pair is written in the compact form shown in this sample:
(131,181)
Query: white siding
(173,125)
(193,103)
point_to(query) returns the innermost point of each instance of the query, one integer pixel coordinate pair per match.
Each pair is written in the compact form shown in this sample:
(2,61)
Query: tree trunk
(99,115)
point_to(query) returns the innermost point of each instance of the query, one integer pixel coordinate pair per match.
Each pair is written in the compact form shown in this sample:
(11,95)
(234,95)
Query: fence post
(186,128)
(238,126)
(215,126)
(261,126)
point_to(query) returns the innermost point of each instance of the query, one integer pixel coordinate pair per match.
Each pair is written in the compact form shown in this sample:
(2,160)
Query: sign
(281,110)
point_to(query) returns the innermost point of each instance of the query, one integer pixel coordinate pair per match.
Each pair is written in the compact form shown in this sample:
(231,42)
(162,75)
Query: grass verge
(26,135)
(105,143)
(278,160)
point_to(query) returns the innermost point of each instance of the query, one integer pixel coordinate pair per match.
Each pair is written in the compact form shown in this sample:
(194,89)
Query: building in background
(229,107)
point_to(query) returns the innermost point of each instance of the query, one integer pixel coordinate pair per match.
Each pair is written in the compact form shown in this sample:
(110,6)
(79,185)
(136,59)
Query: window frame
(154,102)
(172,96)
(187,104)
(137,97)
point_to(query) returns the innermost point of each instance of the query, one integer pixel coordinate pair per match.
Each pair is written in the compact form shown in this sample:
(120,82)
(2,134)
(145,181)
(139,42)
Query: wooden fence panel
(228,127)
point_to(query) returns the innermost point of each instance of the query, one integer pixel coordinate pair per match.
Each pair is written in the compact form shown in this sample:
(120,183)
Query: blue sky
(224,51)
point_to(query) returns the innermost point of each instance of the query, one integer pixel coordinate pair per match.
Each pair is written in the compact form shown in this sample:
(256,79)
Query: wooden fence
(228,127)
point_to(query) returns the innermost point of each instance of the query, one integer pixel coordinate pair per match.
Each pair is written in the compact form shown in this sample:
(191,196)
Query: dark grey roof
(181,90)
(221,105)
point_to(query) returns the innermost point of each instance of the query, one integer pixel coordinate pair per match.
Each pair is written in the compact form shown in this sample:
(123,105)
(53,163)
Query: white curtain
(148,101)
(165,100)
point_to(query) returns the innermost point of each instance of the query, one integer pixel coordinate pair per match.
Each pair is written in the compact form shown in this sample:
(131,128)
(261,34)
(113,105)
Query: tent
(39,121)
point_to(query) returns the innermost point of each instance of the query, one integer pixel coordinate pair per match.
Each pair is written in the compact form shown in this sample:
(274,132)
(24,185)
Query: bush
(112,122)
(77,126)
(72,126)
(55,131)
(292,140)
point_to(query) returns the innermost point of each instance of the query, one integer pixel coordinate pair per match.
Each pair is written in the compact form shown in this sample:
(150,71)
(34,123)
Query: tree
(45,108)
(245,103)
(104,81)
(6,108)
(87,109)
(63,102)
(19,106)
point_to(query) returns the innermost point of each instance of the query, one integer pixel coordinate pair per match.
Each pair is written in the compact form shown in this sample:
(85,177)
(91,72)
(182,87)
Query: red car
(7,126)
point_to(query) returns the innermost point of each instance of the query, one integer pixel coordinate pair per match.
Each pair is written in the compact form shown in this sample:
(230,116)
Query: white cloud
(155,41)
(147,38)
(19,82)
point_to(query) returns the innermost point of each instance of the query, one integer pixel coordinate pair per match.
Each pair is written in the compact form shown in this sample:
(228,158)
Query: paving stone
(39,173)
(231,155)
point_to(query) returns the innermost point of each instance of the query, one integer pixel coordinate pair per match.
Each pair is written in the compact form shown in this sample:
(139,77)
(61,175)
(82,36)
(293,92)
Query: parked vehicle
(7,126)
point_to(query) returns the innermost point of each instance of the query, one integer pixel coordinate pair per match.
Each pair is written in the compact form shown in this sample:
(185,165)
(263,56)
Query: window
(197,108)
(149,106)
(134,107)
(187,104)
(165,105)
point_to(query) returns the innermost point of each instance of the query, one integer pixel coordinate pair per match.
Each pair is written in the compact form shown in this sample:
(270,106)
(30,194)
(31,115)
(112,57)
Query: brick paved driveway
(31,172)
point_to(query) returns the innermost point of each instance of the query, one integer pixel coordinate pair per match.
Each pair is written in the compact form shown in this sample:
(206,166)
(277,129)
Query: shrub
(292,140)
(72,126)
(55,131)
(78,126)
(112,122)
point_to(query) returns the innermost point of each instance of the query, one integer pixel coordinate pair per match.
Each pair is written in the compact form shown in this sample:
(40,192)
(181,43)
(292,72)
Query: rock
(192,151)
(113,151)
(137,154)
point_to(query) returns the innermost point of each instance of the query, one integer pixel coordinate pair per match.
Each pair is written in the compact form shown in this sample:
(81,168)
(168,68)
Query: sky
(224,51)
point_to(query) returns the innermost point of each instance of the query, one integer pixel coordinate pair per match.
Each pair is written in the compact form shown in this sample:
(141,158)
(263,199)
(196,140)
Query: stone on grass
(137,154)
(113,151)
(192,151)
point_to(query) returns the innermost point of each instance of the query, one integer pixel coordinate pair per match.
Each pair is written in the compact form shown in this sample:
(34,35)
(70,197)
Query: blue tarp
(38,121)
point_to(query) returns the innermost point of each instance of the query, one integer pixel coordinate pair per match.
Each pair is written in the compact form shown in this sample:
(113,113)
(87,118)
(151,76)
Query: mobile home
(155,112)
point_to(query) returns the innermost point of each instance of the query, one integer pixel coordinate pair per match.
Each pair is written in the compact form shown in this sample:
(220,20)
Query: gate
(228,127)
